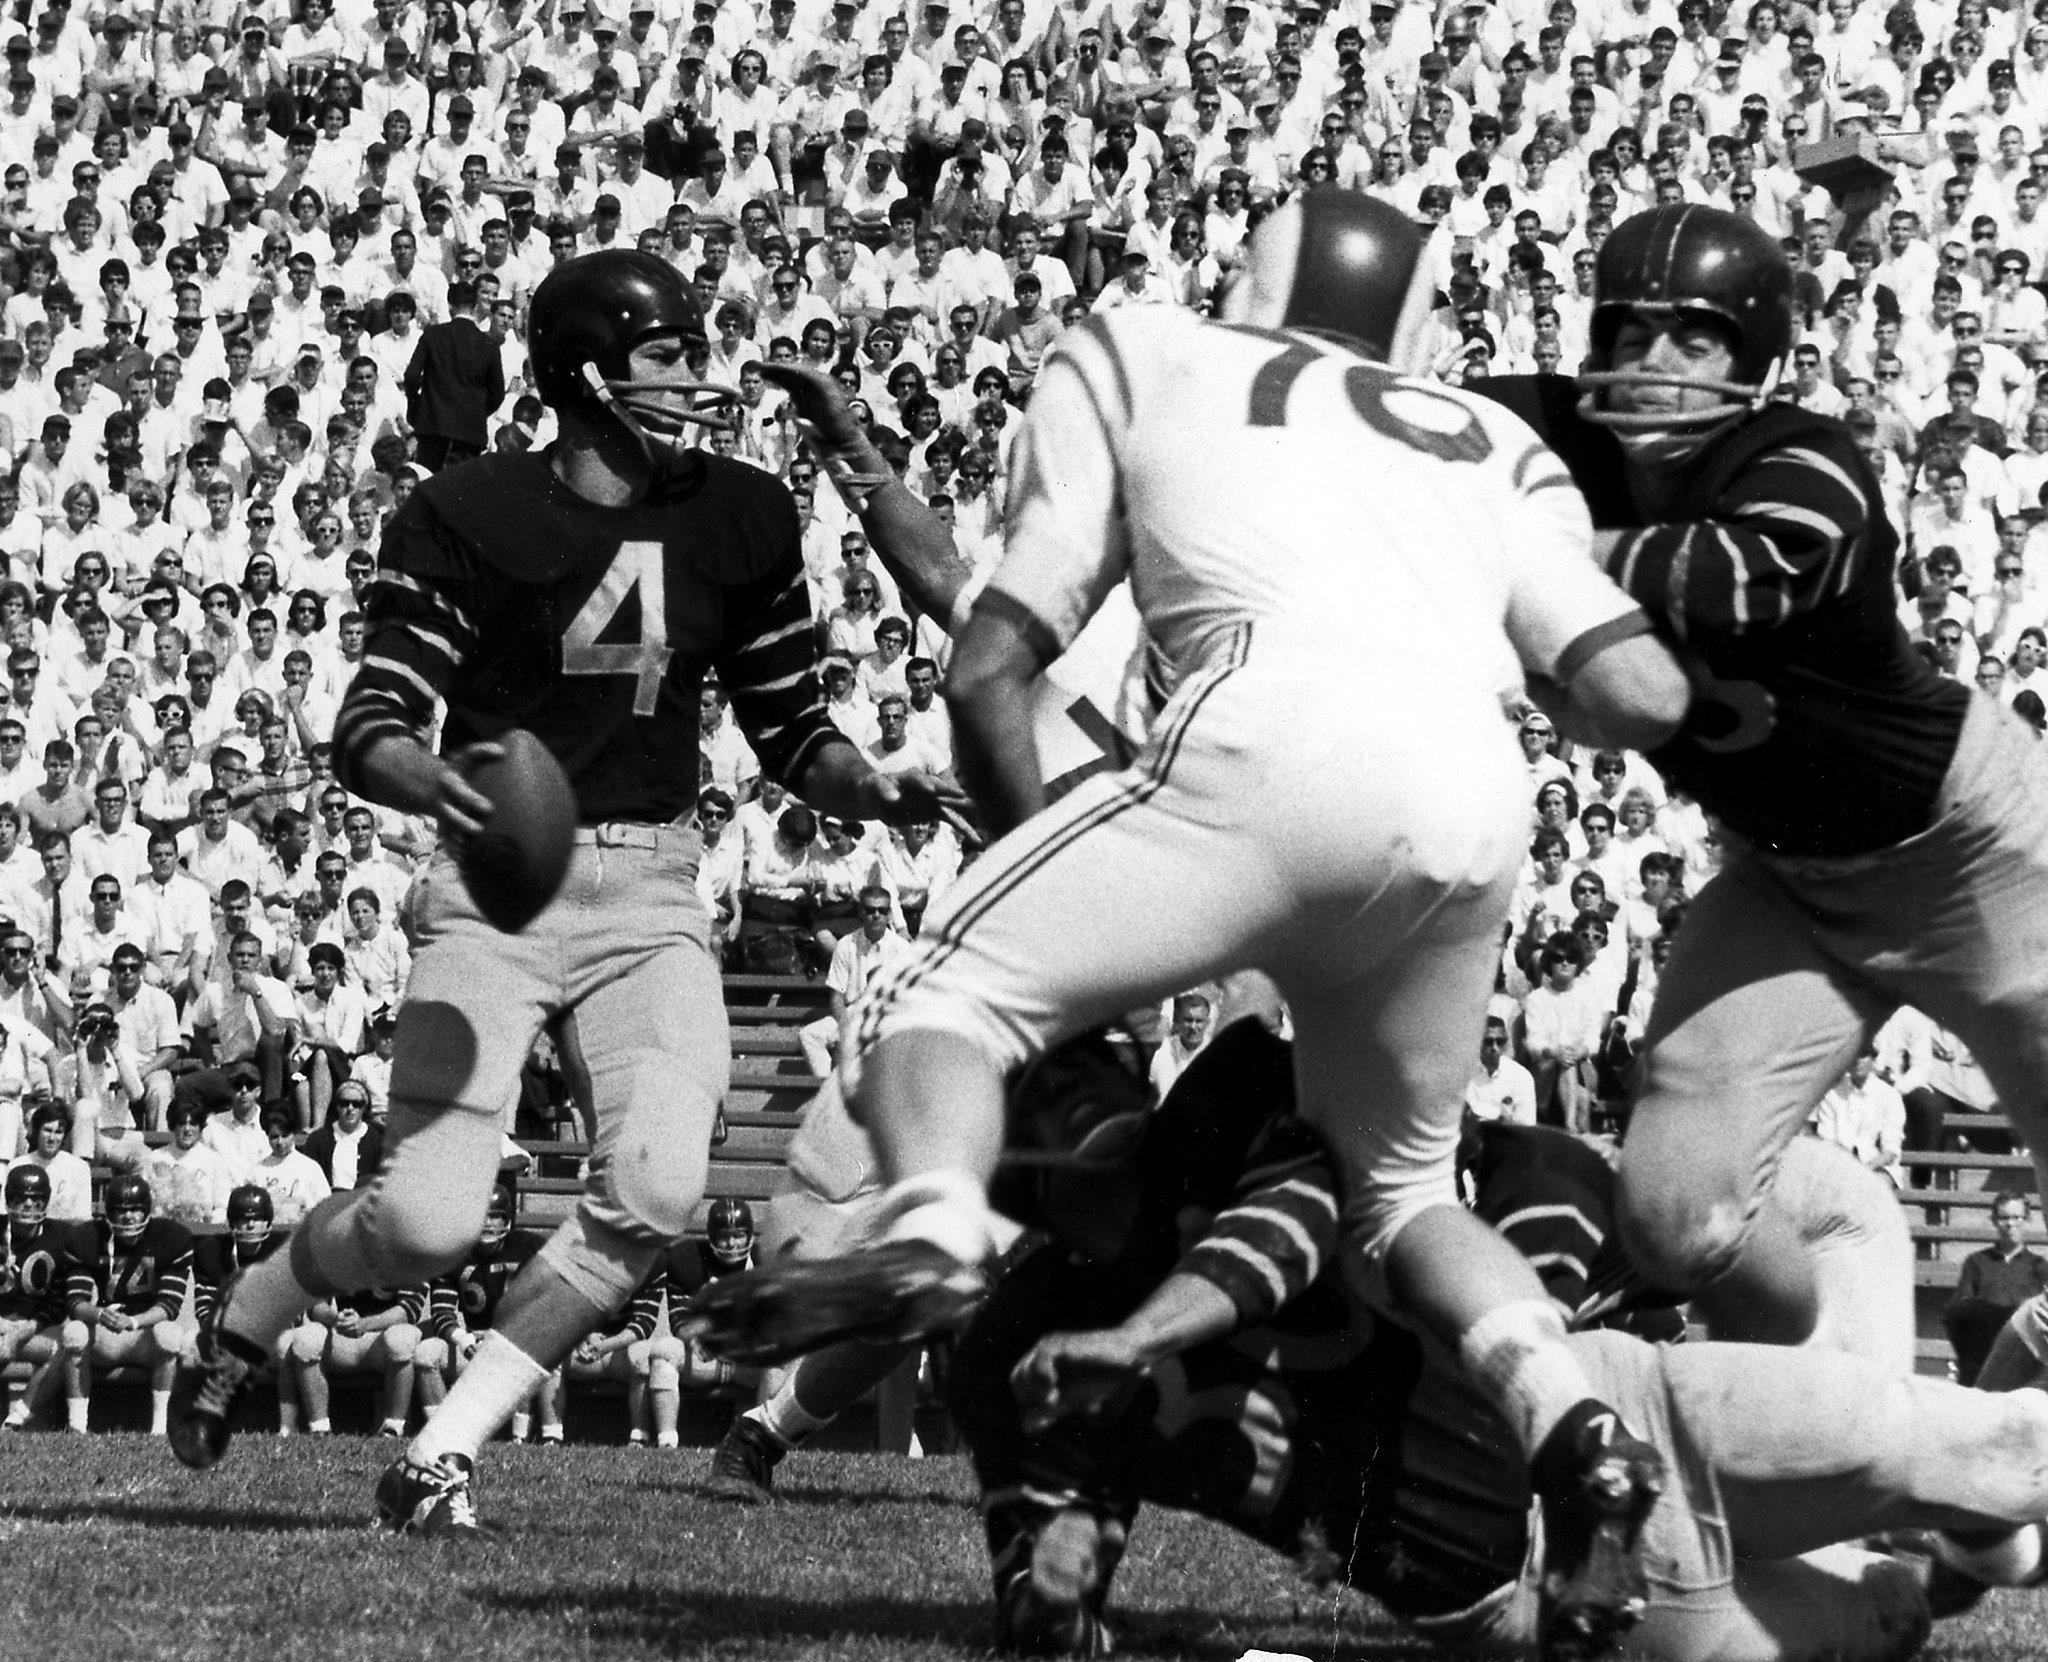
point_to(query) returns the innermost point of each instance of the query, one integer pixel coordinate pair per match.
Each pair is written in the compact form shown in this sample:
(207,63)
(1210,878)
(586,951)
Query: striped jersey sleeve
(1789,533)
(420,619)
(769,667)
(1272,1240)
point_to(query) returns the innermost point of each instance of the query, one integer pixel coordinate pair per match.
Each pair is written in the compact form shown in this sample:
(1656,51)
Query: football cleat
(437,1500)
(1051,1602)
(897,1292)
(1593,1589)
(209,1388)
(743,1465)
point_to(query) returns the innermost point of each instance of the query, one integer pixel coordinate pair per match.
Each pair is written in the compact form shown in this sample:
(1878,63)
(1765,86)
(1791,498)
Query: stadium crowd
(229,234)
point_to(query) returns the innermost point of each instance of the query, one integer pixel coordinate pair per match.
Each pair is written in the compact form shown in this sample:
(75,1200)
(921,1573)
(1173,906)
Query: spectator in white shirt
(857,958)
(332,1016)
(149,1024)
(218,849)
(1866,1116)
(376,953)
(237,1136)
(1193,1026)
(189,1180)
(70,1177)
(294,1183)
(1502,1089)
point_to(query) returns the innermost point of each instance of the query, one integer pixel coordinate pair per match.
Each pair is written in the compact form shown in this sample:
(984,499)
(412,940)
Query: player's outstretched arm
(1630,694)
(997,659)
(913,543)
(1080,1373)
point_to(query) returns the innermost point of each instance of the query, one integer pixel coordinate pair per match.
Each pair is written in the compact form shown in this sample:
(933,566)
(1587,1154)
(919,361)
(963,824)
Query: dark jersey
(522,605)
(216,1257)
(689,1266)
(642,1316)
(155,1269)
(1342,1440)
(467,1296)
(1815,728)
(35,1269)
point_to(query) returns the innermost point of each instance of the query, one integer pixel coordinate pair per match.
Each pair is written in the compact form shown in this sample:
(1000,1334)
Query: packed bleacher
(224,229)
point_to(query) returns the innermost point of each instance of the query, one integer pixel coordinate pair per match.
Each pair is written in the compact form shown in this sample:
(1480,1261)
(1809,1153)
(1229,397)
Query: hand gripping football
(515,865)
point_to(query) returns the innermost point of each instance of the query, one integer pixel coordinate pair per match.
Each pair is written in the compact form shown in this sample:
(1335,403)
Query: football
(515,865)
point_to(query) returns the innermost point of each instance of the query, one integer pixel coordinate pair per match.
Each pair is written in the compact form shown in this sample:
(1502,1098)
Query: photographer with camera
(102,1080)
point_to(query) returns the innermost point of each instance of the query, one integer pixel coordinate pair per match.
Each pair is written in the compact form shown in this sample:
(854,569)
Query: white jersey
(1238,475)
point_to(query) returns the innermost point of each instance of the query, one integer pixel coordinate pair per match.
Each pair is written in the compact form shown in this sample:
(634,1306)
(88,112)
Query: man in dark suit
(454,382)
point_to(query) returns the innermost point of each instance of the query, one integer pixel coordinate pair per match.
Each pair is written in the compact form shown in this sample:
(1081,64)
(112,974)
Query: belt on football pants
(624,834)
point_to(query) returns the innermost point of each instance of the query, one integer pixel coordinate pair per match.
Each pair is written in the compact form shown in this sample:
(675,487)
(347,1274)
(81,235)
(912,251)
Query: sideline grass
(112,1552)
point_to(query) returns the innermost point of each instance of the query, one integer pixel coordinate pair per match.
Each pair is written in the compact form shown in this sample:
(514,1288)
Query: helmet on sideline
(128,1203)
(250,1215)
(1341,265)
(729,1230)
(586,318)
(1686,262)
(28,1194)
(499,1211)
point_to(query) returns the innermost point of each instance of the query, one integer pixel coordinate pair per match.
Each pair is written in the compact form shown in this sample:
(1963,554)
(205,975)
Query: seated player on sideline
(128,1289)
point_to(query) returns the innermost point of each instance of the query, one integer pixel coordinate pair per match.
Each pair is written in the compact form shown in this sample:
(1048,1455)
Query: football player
(1199,1350)
(580,592)
(1357,677)
(216,1259)
(726,1249)
(633,1350)
(371,1330)
(129,1280)
(1884,826)
(462,1305)
(34,1262)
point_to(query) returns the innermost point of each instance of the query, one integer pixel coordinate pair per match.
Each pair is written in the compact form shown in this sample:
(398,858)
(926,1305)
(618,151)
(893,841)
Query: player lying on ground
(1883,826)
(1225,1370)
(512,588)
(1357,678)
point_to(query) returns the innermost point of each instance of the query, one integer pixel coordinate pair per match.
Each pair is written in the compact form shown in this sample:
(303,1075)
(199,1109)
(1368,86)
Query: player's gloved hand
(1075,1373)
(915,794)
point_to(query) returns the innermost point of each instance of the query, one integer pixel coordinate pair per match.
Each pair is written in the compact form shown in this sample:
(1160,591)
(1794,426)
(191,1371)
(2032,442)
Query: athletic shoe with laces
(1593,1589)
(897,1292)
(743,1465)
(436,1499)
(208,1389)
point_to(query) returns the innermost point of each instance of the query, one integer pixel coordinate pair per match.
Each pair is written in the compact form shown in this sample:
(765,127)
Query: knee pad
(604,1265)
(175,1340)
(76,1338)
(308,1343)
(401,1344)
(432,1353)
(394,1240)
(652,1194)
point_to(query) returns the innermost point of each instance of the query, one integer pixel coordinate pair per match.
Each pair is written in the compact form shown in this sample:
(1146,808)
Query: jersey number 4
(636,565)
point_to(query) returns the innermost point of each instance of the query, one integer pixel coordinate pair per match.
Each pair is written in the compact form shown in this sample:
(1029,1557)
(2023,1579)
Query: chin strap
(659,428)
(1740,398)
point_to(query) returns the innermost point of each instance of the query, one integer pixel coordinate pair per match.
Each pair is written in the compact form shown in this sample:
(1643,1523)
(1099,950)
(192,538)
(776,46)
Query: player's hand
(347,1323)
(1074,1373)
(899,798)
(458,808)
(586,1354)
(116,1321)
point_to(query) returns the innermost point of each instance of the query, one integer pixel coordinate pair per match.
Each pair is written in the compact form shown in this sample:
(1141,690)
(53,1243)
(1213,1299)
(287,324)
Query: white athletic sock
(667,1439)
(287,1417)
(498,1379)
(1517,1355)
(159,1413)
(320,1428)
(947,1208)
(267,1303)
(783,1417)
(75,1411)
(522,1426)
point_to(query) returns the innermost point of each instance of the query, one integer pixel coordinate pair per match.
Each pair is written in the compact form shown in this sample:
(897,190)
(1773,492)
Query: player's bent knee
(654,1192)
(401,1344)
(432,1353)
(308,1343)
(1678,1241)
(602,1264)
(174,1341)
(76,1338)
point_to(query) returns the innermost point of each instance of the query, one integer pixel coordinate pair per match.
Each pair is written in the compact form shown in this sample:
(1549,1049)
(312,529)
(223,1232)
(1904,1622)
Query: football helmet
(128,1203)
(1073,1121)
(28,1195)
(250,1215)
(729,1229)
(1681,261)
(1341,265)
(584,321)
(498,1214)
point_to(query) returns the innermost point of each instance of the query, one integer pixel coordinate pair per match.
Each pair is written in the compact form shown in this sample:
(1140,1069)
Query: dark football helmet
(585,319)
(1341,265)
(1073,1122)
(128,1203)
(1682,261)
(250,1215)
(729,1228)
(498,1214)
(28,1195)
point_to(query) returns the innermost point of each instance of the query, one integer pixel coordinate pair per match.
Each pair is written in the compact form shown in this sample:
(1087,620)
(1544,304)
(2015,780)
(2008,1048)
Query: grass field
(112,1552)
